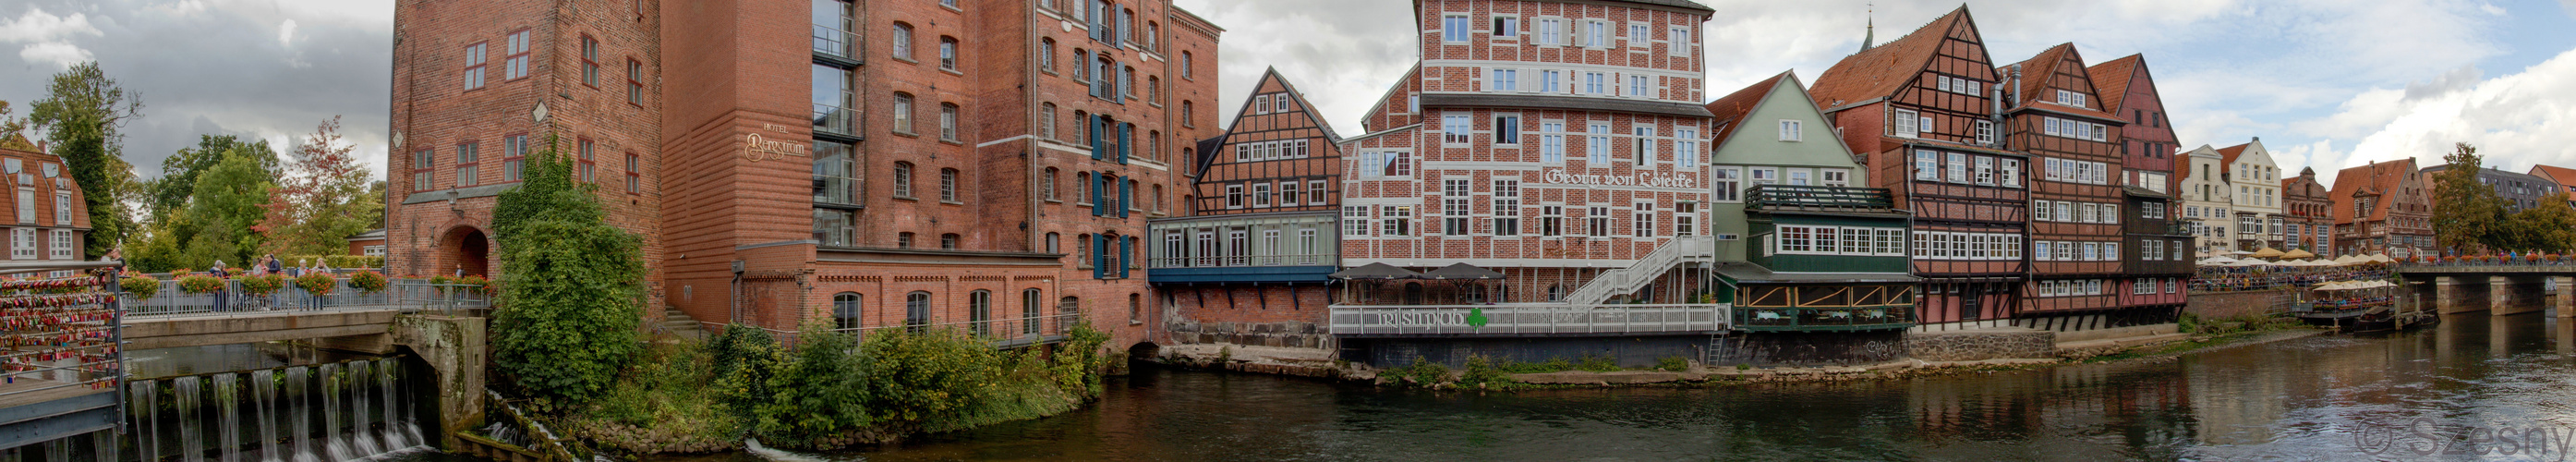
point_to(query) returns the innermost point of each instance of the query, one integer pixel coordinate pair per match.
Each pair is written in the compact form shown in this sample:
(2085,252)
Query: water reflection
(2306,399)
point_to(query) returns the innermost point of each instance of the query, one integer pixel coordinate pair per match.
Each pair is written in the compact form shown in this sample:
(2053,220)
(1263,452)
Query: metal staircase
(1646,270)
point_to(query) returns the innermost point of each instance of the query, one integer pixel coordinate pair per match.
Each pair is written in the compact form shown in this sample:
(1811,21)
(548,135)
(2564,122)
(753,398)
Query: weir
(337,411)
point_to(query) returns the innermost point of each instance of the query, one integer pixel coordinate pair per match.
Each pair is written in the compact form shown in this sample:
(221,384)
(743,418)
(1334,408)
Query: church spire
(1869,34)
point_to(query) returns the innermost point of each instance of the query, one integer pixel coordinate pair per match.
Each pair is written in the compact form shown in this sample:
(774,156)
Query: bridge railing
(409,293)
(2492,260)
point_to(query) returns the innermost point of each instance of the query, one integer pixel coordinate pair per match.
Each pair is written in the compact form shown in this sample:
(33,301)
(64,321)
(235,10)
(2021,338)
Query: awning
(2267,252)
(1375,271)
(2298,254)
(1461,271)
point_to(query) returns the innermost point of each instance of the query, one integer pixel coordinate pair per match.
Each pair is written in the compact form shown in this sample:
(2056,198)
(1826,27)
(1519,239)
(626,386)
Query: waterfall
(192,444)
(146,407)
(360,437)
(399,432)
(228,415)
(333,443)
(263,395)
(299,431)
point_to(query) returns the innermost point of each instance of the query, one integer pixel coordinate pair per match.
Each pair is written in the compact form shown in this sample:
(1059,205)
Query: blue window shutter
(1124,195)
(1125,252)
(1098,202)
(1120,93)
(1099,257)
(1119,37)
(1097,152)
(1126,139)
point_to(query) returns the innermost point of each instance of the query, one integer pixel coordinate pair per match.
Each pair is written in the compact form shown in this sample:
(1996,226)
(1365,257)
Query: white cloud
(56,53)
(286,33)
(48,37)
(2516,120)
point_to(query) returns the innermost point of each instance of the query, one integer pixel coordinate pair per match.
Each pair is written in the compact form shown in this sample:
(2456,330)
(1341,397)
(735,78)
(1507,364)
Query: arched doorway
(468,250)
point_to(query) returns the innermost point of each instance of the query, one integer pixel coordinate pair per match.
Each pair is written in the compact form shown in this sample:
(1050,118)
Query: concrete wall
(1806,349)
(1983,344)
(454,348)
(1627,351)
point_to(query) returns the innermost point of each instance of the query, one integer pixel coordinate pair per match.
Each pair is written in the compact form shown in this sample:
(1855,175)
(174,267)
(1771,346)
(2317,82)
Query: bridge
(2496,286)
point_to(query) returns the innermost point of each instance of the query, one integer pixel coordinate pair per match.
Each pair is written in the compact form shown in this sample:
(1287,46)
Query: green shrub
(1423,373)
(1551,365)
(815,398)
(262,284)
(567,324)
(140,286)
(317,283)
(662,404)
(1598,363)
(1076,365)
(200,284)
(1672,364)
(742,359)
(367,281)
(923,378)
(1482,374)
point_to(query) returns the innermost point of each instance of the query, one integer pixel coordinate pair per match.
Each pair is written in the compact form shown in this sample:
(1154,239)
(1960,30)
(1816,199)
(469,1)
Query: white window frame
(1906,123)
(62,244)
(1792,131)
(1457,28)
(1726,184)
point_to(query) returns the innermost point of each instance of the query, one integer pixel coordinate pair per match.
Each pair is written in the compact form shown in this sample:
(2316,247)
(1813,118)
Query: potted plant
(262,285)
(368,281)
(201,284)
(317,283)
(142,287)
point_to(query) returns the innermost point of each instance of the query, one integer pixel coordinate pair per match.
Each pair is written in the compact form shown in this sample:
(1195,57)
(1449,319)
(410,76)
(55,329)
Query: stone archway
(467,249)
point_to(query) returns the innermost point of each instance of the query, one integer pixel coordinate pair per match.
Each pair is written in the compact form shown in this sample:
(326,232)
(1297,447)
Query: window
(1986,171)
(1637,86)
(948,122)
(916,309)
(1686,147)
(634,174)
(1551,220)
(845,311)
(1398,219)
(421,163)
(902,41)
(1685,218)
(62,244)
(835,227)
(1551,80)
(514,153)
(634,82)
(948,185)
(1551,32)
(903,180)
(467,173)
(1507,207)
(1927,165)
(1551,143)
(1958,168)
(1790,131)
(1645,145)
(1985,132)
(1681,41)
(1046,55)
(1506,26)
(474,60)
(1454,28)
(1187,71)
(1315,192)
(1355,221)
(1592,84)
(1046,120)
(1234,196)
(1836,177)
(588,169)
(1261,194)
(1455,128)
(1637,35)
(517,66)
(22,243)
(903,113)
(947,53)
(589,61)
(1507,80)
(1453,203)
(1507,129)
(1187,119)
(948,241)
(2070,98)
(1596,221)
(1906,121)
(1597,147)
(1727,182)
(1596,34)
(2012,173)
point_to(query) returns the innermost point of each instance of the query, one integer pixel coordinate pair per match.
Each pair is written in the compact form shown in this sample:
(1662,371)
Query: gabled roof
(2227,156)
(2377,179)
(2036,74)
(1208,148)
(1879,71)
(1728,111)
(2562,175)
(2112,79)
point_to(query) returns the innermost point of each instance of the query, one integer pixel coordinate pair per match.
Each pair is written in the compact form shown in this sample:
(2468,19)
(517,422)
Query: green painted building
(1803,244)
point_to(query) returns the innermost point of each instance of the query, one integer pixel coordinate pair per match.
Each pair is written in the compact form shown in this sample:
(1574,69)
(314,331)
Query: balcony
(836,45)
(1777,198)
(1790,319)
(839,192)
(1525,320)
(835,121)
(1241,268)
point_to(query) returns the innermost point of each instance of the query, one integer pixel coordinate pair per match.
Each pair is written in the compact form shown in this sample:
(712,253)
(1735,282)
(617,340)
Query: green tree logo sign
(1476,318)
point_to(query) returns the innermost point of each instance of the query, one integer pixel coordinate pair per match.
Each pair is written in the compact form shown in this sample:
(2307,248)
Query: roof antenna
(1869,34)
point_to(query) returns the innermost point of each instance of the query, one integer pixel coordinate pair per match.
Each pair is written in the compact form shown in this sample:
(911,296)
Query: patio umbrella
(2267,252)
(1376,271)
(2298,253)
(1462,271)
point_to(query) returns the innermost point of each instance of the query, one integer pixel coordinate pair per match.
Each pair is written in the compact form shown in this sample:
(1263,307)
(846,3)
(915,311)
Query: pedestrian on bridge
(223,296)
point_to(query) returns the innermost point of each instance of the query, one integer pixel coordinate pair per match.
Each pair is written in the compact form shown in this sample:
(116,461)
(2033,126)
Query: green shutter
(1099,203)
(1098,149)
(1099,257)
(1125,256)
(1126,139)
(1125,194)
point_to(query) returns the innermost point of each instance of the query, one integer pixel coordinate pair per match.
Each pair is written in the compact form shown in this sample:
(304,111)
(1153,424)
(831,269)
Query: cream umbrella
(2298,254)
(2266,252)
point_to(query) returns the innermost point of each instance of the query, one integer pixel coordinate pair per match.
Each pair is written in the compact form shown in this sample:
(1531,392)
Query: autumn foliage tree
(322,199)
(2467,214)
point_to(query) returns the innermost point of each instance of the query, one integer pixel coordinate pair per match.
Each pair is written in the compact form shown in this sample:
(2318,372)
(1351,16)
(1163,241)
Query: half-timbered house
(1798,253)
(2055,114)
(1921,111)
(2155,261)
(1247,264)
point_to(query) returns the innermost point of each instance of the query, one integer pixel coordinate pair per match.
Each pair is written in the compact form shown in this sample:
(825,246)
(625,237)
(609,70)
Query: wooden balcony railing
(1843,198)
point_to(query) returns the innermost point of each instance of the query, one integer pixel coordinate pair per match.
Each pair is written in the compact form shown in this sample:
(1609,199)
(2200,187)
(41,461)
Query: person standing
(223,293)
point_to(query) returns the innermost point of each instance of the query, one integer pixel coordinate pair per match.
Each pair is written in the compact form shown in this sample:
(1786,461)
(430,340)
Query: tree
(322,200)
(2548,227)
(10,125)
(179,172)
(572,286)
(81,114)
(2466,213)
(229,200)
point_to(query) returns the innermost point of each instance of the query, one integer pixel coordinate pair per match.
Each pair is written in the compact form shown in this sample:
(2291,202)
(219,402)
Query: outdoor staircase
(681,325)
(1647,270)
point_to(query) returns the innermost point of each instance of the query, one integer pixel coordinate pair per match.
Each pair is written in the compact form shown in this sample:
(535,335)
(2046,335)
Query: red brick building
(1250,263)
(51,217)
(983,165)
(2159,269)
(2307,213)
(2383,207)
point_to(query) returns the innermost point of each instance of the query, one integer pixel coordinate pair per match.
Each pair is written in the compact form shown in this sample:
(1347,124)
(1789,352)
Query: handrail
(1623,280)
(1829,197)
(834,119)
(1525,318)
(1225,261)
(833,41)
(405,293)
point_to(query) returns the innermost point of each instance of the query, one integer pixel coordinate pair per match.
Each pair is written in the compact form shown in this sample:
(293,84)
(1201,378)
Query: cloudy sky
(2328,83)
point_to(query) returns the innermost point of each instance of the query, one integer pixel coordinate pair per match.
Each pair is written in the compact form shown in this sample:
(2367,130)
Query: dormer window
(2070,98)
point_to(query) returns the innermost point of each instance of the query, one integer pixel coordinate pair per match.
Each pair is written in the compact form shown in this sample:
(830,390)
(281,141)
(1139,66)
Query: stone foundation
(1982,344)
(2236,304)
(1291,334)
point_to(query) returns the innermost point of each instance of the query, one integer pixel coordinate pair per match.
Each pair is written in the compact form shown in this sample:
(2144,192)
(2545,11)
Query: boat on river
(2361,306)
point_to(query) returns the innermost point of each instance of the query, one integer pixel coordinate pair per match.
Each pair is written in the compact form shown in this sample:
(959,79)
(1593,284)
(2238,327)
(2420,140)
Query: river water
(2391,396)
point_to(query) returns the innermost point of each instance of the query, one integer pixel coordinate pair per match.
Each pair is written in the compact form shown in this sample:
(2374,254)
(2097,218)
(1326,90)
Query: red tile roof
(1734,106)
(2034,79)
(2566,177)
(1879,71)
(2379,178)
(2112,79)
(2227,156)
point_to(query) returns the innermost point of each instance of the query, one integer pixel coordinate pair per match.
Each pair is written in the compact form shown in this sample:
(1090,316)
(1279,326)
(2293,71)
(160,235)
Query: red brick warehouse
(864,163)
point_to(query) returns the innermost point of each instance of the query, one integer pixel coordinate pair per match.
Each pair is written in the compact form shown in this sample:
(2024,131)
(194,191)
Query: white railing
(398,293)
(1241,260)
(1646,270)
(1527,319)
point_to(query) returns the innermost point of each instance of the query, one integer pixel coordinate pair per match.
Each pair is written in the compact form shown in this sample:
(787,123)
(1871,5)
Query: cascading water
(263,393)
(334,443)
(143,395)
(299,432)
(227,411)
(360,438)
(330,412)
(192,443)
(399,431)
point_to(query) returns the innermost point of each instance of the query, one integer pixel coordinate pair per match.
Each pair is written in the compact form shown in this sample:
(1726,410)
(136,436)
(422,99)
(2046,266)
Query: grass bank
(829,390)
